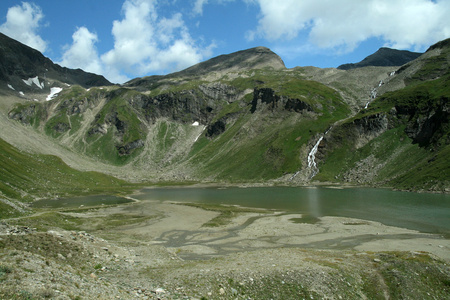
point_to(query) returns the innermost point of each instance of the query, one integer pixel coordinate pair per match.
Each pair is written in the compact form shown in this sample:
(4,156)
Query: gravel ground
(170,255)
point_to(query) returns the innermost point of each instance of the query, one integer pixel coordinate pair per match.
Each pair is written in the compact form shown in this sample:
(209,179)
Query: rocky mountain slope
(384,57)
(30,74)
(244,117)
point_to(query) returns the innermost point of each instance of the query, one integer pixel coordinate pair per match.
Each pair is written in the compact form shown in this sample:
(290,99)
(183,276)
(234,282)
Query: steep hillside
(24,71)
(196,128)
(24,177)
(384,57)
(402,138)
(244,117)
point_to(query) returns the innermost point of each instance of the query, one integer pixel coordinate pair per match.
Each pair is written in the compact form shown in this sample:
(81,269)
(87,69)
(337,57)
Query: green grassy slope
(25,177)
(413,154)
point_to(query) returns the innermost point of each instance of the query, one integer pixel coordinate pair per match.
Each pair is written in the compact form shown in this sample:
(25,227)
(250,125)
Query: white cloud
(344,24)
(145,43)
(198,6)
(22,23)
(83,53)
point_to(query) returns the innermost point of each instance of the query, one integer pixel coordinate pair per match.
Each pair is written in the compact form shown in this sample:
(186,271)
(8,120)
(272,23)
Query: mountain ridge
(383,57)
(25,69)
(253,58)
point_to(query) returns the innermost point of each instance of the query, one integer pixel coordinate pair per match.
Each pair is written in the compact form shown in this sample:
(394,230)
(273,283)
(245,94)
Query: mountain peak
(440,45)
(383,57)
(253,58)
(18,63)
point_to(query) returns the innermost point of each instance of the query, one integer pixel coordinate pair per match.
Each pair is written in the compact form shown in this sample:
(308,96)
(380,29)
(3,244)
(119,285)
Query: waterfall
(312,158)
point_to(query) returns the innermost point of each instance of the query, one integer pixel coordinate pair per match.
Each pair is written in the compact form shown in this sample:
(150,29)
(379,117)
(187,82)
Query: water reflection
(314,202)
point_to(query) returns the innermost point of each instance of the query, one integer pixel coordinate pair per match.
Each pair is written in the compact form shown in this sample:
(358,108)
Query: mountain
(384,57)
(254,58)
(244,117)
(25,69)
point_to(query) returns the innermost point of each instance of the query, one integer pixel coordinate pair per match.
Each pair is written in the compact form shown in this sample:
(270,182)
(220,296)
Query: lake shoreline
(162,250)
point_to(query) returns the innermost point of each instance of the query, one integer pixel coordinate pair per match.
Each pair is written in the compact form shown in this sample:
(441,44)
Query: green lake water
(418,211)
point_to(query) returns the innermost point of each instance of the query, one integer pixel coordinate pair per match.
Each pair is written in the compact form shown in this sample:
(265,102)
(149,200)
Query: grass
(25,176)
(418,276)
(4,271)
(410,161)
(263,145)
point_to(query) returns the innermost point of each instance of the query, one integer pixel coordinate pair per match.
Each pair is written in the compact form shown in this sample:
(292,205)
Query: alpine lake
(423,212)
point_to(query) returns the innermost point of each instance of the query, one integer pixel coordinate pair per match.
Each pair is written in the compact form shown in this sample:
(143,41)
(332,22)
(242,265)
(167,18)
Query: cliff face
(267,98)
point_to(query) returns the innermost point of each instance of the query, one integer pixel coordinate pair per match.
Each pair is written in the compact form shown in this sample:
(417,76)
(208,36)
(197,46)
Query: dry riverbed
(161,250)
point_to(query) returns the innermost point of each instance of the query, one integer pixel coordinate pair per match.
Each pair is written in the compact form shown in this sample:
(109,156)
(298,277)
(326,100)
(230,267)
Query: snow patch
(34,80)
(11,87)
(21,93)
(198,136)
(54,91)
(195,123)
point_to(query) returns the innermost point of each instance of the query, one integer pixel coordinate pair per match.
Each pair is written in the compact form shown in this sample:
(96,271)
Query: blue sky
(124,39)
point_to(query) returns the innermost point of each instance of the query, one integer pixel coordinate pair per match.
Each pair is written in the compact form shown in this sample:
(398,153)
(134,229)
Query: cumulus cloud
(344,24)
(83,53)
(22,23)
(144,42)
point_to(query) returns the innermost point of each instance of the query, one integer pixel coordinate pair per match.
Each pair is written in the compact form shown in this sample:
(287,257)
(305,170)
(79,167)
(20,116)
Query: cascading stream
(312,158)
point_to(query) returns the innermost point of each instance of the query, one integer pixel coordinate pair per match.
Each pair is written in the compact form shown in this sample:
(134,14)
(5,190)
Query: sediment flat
(169,253)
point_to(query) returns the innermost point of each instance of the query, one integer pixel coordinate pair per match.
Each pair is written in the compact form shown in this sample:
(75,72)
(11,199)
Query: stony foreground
(172,252)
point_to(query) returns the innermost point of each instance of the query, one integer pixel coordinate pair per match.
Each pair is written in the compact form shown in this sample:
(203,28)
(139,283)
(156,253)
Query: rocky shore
(164,250)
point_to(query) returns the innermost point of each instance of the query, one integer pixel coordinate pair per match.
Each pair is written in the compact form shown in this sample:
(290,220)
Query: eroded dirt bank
(163,250)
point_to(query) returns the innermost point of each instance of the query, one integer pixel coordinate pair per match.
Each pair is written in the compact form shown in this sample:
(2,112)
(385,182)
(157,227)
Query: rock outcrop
(267,98)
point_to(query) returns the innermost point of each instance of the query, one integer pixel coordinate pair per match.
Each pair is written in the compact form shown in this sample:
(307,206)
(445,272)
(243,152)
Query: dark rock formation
(384,57)
(26,115)
(127,149)
(215,129)
(19,62)
(372,125)
(61,127)
(267,97)
(427,127)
